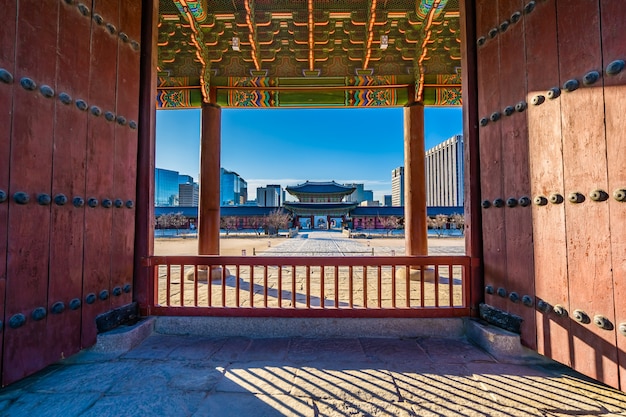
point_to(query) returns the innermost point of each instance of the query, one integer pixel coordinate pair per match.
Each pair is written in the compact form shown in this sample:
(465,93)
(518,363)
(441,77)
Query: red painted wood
(546,170)
(7,61)
(99,162)
(440,312)
(514,136)
(144,230)
(473,217)
(614,47)
(68,178)
(585,169)
(494,243)
(125,162)
(31,158)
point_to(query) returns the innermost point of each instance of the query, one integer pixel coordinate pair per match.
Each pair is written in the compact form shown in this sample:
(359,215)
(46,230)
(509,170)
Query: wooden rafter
(252,35)
(369,35)
(311,25)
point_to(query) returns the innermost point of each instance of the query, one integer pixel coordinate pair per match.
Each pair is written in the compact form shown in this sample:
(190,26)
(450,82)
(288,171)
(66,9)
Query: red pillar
(209,206)
(416,229)
(144,230)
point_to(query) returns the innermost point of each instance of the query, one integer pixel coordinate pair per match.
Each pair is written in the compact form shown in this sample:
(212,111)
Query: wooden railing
(293,286)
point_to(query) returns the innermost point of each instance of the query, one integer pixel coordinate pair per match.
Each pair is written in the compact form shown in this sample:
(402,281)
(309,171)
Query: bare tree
(438,223)
(228,223)
(458,220)
(163,221)
(257,224)
(389,223)
(276,220)
(172,221)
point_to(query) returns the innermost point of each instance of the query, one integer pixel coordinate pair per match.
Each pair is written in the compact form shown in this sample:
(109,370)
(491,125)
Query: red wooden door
(69,76)
(565,59)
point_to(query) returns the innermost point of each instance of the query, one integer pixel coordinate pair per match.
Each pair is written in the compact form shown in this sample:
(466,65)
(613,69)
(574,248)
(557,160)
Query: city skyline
(291,146)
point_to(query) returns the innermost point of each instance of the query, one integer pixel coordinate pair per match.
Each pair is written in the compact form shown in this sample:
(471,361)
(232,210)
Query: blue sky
(290,146)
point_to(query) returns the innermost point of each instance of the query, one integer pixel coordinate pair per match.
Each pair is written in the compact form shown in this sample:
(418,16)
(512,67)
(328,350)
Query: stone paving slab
(170,375)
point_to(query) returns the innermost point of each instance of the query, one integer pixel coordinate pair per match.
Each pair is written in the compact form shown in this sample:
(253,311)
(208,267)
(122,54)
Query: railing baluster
(365,287)
(251,285)
(450,286)
(195,285)
(280,286)
(237,289)
(182,285)
(393,286)
(209,286)
(168,291)
(351,286)
(265,286)
(322,297)
(293,286)
(380,287)
(336,286)
(436,285)
(308,286)
(223,282)
(407,285)
(422,287)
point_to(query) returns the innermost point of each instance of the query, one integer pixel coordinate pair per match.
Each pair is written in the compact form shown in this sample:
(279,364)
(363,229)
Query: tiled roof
(309,187)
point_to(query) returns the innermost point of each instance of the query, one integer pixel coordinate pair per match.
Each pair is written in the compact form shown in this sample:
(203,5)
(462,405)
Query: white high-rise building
(397,187)
(269,196)
(444,173)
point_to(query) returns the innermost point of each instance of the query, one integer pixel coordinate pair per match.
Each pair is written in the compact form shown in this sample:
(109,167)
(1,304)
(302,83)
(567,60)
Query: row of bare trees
(439,223)
(277,219)
(269,224)
(172,221)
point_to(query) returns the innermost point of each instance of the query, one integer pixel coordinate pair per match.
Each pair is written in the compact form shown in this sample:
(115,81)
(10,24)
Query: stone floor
(169,375)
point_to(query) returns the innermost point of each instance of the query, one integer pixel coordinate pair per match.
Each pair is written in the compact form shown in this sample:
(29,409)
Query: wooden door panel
(585,170)
(514,137)
(7,63)
(614,49)
(546,168)
(31,170)
(125,169)
(99,163)
(494,246)
(68,183)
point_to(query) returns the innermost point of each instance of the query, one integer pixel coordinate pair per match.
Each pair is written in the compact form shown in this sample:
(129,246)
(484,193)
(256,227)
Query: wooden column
(144,230)
(416,229)
(472,200)
(209,209)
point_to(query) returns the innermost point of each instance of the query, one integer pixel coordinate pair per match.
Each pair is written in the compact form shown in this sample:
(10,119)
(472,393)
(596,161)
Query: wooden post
(144,230)
(472,200)
(209,207)
(416,228)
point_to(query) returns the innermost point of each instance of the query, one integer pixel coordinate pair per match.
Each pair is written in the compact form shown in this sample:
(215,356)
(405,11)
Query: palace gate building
(542,85)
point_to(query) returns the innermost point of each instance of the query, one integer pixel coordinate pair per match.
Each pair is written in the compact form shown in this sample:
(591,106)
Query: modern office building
(387,200)
(397,187)
(233,188)
(188,194)
(165,187)
(444,173)
(360,194)
(185,179)
(270,196)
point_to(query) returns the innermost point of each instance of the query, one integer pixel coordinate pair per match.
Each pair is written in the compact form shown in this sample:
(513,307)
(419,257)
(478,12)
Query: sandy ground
(233,246)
